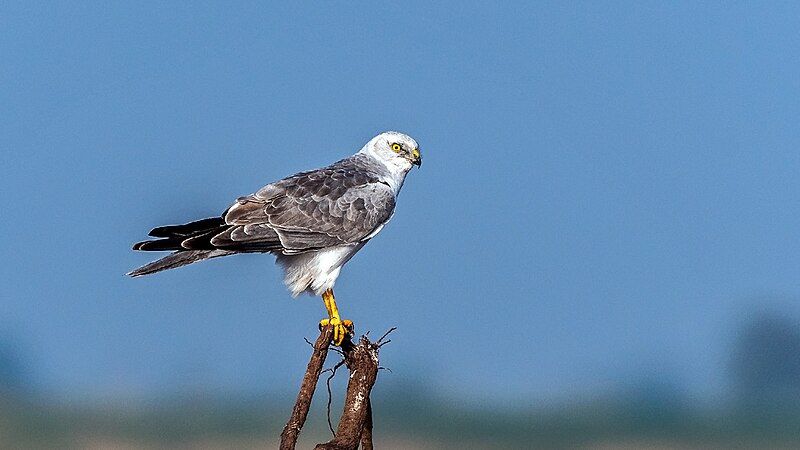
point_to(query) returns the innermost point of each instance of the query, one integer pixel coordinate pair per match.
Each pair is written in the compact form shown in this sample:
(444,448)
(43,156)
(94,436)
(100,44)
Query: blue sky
(608,189)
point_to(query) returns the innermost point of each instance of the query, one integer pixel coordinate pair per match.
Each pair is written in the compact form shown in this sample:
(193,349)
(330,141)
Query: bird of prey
(314,221)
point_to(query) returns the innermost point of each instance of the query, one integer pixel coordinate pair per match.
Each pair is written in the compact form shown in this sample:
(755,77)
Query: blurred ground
(762,411)
(399,425)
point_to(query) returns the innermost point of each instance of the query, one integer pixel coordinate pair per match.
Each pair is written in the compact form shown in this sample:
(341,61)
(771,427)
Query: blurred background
(600,251)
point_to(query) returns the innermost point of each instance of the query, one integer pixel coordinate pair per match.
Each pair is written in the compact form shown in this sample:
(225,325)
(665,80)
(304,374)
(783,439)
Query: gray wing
(311,210)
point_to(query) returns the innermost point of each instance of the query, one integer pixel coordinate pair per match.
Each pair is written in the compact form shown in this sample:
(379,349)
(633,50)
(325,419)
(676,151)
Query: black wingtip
(158,232)
(157,245)
(187,229)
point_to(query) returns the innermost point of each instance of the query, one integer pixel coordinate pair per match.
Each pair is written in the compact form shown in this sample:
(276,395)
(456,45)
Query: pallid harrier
(314,222)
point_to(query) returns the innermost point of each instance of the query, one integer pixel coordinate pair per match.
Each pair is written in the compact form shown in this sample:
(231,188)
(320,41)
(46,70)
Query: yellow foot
(341,328)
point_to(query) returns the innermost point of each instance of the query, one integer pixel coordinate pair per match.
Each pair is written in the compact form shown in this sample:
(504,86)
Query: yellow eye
(396,148)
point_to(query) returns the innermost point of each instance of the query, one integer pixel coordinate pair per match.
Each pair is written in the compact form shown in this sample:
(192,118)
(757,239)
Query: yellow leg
(341,328)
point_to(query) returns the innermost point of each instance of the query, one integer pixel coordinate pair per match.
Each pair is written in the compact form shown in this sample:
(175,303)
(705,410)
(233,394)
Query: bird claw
(341,329)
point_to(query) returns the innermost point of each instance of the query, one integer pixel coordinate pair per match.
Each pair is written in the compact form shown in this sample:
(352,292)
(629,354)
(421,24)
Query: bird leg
(341,328)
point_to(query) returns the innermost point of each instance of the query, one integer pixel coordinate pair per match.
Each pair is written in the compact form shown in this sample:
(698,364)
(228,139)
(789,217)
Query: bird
(314,222)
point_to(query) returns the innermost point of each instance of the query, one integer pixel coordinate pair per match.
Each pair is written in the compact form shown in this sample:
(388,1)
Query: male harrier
(314,222)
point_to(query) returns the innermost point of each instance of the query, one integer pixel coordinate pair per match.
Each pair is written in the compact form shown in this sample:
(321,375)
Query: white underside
(315,272)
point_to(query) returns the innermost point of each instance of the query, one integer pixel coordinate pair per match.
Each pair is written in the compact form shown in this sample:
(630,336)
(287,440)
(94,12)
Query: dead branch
(366,434)
(330,394)
(362,361)
(300,411)
(355,424)
(380,341)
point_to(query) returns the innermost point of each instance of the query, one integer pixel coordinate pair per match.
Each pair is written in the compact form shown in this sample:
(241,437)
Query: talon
(341,329)
(346,330)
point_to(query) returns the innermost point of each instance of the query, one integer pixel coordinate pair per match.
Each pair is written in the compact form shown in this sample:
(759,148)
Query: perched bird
(314,221)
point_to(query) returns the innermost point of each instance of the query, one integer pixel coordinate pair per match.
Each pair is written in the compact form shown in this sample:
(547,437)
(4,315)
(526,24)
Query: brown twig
(380,342)
(330,394)
(300,411)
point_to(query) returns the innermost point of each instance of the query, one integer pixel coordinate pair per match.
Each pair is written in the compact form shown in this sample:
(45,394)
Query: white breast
(315,272)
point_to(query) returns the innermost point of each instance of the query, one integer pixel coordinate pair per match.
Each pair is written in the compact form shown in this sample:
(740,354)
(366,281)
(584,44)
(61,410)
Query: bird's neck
(395,180)
(392,172)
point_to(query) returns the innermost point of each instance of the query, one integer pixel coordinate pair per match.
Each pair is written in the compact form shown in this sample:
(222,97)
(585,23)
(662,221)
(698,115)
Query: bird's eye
(396,148)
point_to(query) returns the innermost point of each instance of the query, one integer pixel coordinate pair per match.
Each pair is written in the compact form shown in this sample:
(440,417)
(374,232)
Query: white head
(397,151)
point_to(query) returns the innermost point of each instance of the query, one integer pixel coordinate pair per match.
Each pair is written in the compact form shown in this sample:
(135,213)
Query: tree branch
(355,424)
(300,411)
(362,361)
(366,433)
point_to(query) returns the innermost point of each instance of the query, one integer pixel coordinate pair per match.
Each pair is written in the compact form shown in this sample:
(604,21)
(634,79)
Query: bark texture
(300,411)
(362,361)
(355,423)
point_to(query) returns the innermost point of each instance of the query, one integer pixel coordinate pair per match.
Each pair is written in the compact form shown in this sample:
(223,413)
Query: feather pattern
(314,221)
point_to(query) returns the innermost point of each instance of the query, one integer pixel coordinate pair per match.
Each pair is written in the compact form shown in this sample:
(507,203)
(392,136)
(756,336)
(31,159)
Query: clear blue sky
(608,189)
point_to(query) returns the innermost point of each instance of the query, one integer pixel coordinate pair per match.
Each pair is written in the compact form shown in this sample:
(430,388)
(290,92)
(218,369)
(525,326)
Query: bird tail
(178,259)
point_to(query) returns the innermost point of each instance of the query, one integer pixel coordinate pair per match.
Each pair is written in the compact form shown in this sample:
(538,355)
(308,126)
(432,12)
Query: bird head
(396,150)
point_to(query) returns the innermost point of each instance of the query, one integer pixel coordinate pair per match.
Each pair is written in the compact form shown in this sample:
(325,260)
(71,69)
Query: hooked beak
(416,158)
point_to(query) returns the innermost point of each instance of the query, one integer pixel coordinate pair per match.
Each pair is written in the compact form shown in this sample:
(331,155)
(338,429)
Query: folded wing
(308,211)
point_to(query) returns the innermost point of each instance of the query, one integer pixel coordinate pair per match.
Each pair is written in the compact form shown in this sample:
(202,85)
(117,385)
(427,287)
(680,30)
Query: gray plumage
(314,221)
(340,204)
